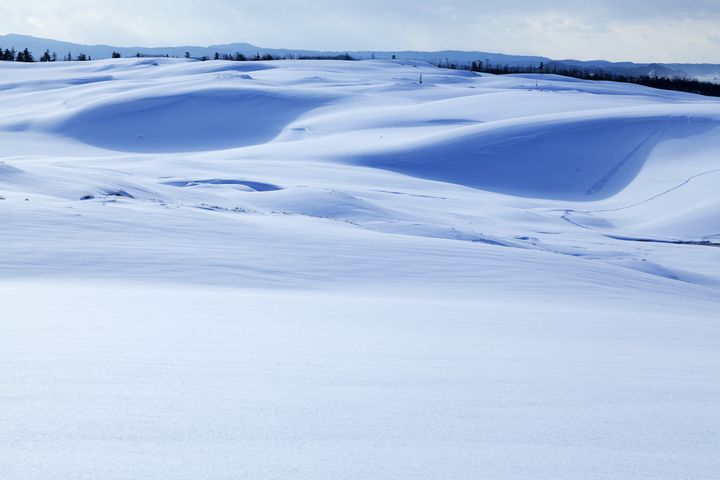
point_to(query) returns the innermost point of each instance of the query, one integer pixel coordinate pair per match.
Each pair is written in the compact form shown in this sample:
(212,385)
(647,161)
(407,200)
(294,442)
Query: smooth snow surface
(313,269)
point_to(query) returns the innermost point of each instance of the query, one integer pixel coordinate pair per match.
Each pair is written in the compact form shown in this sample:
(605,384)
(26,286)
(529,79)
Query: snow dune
(536,163)
(327,269)
(568,158)
(199,120)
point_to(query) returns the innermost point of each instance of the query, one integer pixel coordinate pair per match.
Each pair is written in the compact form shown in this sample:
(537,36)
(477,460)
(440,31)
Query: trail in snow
(665,192)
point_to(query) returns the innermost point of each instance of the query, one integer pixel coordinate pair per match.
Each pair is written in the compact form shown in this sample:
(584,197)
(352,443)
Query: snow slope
(312,269)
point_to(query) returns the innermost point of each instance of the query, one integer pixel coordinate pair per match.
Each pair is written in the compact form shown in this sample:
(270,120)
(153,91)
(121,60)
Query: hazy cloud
(658,30)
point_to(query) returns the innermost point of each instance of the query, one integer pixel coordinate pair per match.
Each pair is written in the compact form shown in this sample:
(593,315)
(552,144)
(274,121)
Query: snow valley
(373,269)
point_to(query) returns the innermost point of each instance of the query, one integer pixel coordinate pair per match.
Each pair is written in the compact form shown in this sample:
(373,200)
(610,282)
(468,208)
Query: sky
(616,30)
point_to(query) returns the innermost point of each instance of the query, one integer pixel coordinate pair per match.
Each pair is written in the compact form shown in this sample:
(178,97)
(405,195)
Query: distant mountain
(628,68)
(702,71)
(707,72)
(39,45)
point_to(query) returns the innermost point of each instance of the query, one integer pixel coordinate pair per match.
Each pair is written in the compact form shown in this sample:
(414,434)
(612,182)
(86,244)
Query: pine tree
(46,57)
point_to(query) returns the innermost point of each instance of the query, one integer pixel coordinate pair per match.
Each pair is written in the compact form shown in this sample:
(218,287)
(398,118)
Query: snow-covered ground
(312,269)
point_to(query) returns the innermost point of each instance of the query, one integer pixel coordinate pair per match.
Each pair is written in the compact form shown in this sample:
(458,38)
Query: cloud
(658,30)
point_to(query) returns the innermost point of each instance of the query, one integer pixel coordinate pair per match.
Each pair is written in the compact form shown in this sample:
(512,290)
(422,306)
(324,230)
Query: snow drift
(474,277)
(566,159)
(207,119)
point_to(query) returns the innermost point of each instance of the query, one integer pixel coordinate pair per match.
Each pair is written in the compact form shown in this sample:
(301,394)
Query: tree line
(265,57)
(679,84)
(11,55)
(26,56)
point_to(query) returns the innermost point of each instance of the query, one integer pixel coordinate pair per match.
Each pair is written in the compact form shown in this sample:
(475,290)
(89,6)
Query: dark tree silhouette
(7,55)
(25,56)
(664,83)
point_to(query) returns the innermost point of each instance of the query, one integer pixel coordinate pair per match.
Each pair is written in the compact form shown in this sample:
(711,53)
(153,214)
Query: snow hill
(376,269)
